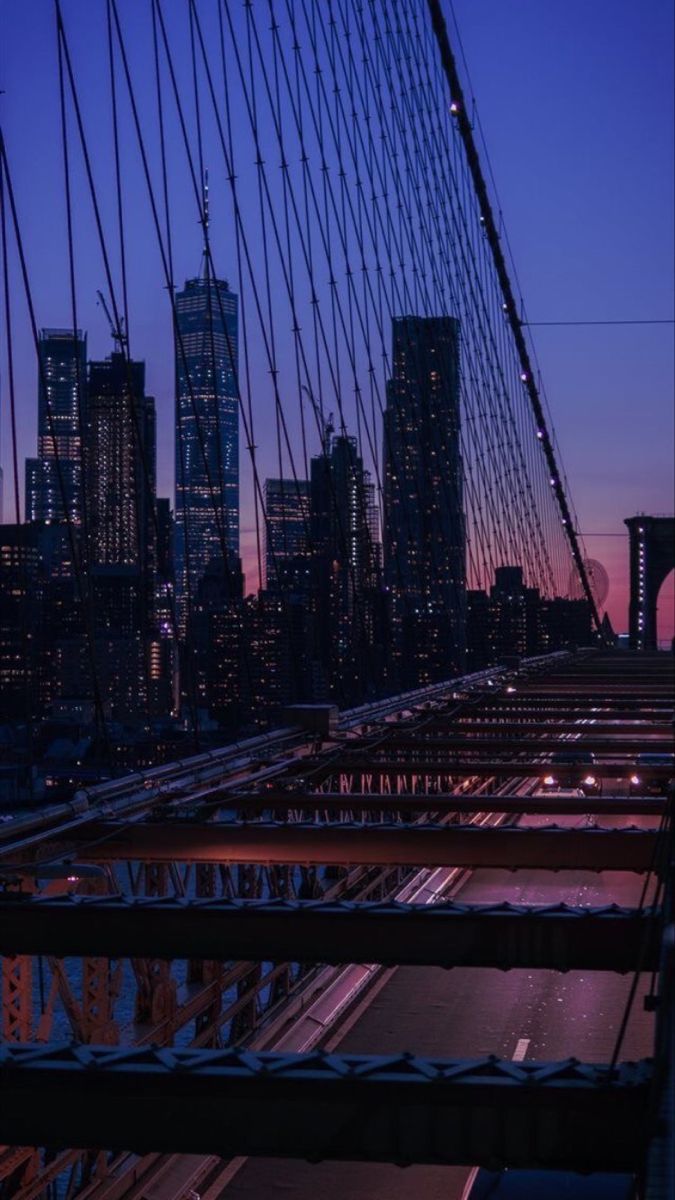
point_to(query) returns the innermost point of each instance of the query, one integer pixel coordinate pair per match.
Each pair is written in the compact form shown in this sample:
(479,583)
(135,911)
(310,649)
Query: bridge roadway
(531,1015)
(466,1012)
(520,1014)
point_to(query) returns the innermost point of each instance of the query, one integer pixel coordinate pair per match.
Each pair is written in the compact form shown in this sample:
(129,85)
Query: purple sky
(575,101)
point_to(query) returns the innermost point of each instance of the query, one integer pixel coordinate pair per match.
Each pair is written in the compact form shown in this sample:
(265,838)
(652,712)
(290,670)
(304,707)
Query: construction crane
(326,428)
(118,335)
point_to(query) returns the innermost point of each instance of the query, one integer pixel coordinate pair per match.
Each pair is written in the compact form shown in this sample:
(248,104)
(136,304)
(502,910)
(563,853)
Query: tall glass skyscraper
(424,528)
(62,389)
(286,526)
(344,535)
(120,465)
(207,431)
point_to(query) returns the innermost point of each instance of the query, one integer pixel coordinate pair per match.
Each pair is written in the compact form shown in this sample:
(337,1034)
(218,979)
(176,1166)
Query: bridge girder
(536,725)
(399,1109)
(555,937)
(536,744)
(342,843)
(451,766)
(448,803)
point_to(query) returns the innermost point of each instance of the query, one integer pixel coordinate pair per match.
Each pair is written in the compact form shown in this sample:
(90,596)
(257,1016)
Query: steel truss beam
(554,709)
(535,685)
(342,843)
(567,697)
(575,692)
(302,800)
(450,766)
(507,725)
(569,715)
(555,937)
(528,742)
(401,1109)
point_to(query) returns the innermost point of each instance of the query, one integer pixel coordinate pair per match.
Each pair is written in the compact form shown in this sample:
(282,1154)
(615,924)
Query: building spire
(205,220)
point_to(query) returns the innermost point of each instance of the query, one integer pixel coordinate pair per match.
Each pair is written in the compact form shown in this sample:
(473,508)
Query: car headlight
(589,780)
(635,779)
(549,780)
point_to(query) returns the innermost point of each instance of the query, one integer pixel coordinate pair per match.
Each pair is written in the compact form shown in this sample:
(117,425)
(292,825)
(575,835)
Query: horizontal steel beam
(556,937)
(560,712)
(451,766)
(527,742)
(400,1109)
(601,693)
(525,697)
(500,726)
(334,802)
(550,848)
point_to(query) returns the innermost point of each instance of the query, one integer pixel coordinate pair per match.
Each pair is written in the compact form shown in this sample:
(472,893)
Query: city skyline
(196,348)
(601,484)
(157,623)
(336,788)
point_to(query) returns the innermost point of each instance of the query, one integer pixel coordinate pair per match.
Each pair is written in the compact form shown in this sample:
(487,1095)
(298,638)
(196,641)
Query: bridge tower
(652,557)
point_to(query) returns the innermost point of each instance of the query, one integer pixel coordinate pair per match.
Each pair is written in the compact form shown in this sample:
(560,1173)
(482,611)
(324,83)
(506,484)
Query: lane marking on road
(517,1056)
(521,1049)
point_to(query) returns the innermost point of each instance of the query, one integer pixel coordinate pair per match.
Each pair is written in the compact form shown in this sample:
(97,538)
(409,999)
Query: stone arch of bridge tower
(652,558)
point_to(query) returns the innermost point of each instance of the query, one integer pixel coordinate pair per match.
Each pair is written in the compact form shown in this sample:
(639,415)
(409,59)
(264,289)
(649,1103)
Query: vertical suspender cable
(464,126)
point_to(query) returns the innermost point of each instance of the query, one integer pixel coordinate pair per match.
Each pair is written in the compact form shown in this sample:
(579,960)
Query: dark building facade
(214,663)
(121,521)
(54,477)
(424,527)
(346,573)
(207,431)
(287,520)
(513,619)
(120,460)
(19,620)
(164,658)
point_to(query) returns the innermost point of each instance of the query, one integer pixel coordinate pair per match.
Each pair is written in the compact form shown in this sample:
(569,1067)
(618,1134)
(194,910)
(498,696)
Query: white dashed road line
(521,1049)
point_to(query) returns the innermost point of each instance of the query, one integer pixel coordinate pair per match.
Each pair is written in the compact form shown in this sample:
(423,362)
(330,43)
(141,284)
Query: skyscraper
(424,529)
(347,569)
(19,619)
(120,506)
(120,464)
(55,475)
(286,526)
(207,431)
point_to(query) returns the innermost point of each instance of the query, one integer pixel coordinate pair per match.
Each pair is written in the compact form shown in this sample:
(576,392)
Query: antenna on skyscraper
(205,218)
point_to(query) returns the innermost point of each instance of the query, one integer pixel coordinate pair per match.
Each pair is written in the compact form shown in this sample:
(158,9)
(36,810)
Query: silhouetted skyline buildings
(139,615)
